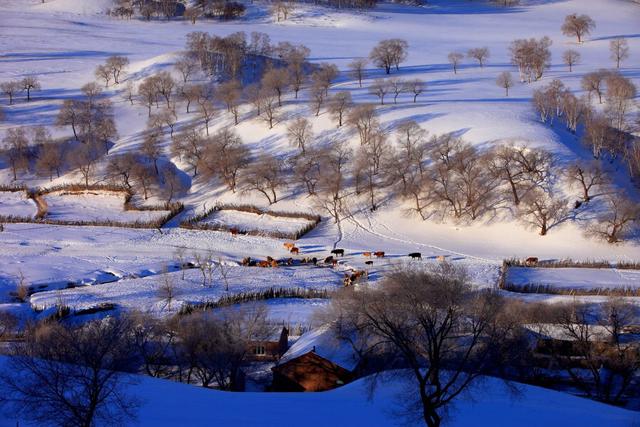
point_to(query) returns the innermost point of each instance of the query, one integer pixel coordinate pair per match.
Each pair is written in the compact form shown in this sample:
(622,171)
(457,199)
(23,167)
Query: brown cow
(367,254)
(263,264)
(532,261)
(234,231)
(274,263)
(379,254)
(441,258)
(294,250)
(288,245)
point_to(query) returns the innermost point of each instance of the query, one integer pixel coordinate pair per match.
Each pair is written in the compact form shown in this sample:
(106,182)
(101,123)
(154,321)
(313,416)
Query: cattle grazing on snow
(415,255)
(379,254)
(338,252)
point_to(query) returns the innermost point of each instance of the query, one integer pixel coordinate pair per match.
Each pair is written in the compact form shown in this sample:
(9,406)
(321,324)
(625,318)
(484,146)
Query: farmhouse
(270,349)
(316,362)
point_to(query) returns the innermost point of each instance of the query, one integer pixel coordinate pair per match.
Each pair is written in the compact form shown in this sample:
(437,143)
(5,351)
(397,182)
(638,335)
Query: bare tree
(192,14)
(264,175)
(117,64)
(11,88)
(296,59)
(531,56)
(300,133)
(619,218)
(164,86)
(167,289)
(397,86)
(316,98)
(454,59)
(276,80)
(363,119)
(151,147)
(505,80)
(147,93)
(380,88)
(193,93)
(50,159)
(84,159)
(145,177)
(619,50)
(30,83)
(598,135)
(415,87)
(588,176)
(73,376)
(573,109)
(578,26)
(339,105)
(542,211)
(121,167)
(229,93)
(324,75)
(357,69)
(189,147)
(267,103)
(224,156)
(571,57)
(206,111)
(619,96)
(186,65)
(16,150)
(435,324)
(593,82)
(104,73)
(389,53)
(480,54)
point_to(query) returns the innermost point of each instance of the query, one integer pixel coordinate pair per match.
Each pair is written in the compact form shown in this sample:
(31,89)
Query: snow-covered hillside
(63,41)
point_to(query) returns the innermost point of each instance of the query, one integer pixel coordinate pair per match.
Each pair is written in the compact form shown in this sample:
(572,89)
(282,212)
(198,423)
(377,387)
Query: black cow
(415,255)
(337,252)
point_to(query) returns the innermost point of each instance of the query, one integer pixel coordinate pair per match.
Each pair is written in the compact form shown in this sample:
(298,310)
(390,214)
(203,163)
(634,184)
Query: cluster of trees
(112,69)
(12,88)
(395,87)
(441,336)
(91,120)
(480,54)
(79,375)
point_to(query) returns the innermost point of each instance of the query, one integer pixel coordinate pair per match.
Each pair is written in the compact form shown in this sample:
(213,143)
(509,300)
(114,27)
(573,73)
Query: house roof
(323,342)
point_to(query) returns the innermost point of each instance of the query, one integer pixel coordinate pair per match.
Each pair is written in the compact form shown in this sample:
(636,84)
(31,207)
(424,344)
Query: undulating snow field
(62,42)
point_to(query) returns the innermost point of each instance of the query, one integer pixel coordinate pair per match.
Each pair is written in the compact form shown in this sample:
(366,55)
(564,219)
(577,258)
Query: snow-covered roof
(324,343)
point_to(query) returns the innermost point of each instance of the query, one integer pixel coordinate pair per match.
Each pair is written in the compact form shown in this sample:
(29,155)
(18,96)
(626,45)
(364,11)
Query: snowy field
(143,294)
(574,278)
(93,206)
(259,222)
(16,203)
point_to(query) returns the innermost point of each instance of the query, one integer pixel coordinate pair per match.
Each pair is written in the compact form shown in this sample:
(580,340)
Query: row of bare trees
(12,88)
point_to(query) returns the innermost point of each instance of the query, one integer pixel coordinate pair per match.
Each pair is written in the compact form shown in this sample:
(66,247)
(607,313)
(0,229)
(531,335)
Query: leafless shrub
(578,26)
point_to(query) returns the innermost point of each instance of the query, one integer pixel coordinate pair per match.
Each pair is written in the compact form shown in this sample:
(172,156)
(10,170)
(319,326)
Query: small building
(316,362)
(269,349)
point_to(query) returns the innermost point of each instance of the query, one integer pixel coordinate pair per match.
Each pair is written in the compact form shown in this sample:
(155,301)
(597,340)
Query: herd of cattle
(350,278)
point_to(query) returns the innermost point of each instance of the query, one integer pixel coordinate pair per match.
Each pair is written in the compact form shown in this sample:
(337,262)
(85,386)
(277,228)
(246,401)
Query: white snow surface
(95,206)
(250,221)
(16,203)
(575,278)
